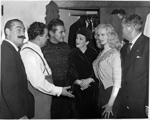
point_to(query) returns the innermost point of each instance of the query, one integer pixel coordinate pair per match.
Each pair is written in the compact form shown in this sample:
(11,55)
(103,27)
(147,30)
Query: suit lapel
(14,50)
(132,55)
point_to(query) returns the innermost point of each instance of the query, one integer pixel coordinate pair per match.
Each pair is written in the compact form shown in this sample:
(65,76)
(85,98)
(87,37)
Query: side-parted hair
(133,20)
(113,39)
(35,29)
(9,24)
(54,23)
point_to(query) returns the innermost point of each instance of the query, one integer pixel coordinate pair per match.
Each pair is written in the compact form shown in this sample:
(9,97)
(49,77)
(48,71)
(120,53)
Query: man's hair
(115,11)
(35,29)
(133,20)
(9,24)
(122,12)
(54,23)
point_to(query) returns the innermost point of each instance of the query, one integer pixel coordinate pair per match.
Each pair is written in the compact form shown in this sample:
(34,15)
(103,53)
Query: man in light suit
(16,100)
(135,70)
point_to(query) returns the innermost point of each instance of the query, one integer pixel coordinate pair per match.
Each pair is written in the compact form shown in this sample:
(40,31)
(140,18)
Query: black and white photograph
(74,59)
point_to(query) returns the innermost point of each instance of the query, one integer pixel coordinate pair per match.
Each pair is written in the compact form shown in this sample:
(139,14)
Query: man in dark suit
(16,100)
(135,70)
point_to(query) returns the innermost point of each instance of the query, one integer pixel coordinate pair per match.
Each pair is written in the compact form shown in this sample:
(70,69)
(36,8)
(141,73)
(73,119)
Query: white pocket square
(138,56)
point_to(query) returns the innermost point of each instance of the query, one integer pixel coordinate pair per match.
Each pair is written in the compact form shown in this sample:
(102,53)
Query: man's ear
(131,28)
(51,33)
(38,38)
(7,30)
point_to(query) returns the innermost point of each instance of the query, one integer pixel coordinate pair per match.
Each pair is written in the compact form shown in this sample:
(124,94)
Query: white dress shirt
(134,40)
(35,69)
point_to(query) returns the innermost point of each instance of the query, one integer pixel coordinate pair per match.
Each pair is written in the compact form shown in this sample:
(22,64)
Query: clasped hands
(84,83)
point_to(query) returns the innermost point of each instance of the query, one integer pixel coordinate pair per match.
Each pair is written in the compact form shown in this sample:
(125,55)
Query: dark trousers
(59,106)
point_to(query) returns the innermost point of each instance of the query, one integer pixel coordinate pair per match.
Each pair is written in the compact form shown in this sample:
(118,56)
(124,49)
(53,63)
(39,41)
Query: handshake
(67,92)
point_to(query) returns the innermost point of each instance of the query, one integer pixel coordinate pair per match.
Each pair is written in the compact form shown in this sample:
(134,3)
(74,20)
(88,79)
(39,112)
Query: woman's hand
(78,82)
(85,83)
(108,111)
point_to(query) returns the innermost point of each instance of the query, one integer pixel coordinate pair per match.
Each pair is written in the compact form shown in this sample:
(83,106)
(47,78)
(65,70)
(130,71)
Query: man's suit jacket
(16,99)
(135,72)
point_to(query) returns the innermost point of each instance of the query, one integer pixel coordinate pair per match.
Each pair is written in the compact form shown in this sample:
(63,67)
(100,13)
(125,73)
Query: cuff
(58,91)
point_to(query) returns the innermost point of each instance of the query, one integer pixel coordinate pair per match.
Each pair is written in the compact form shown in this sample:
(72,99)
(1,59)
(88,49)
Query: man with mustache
(16,100)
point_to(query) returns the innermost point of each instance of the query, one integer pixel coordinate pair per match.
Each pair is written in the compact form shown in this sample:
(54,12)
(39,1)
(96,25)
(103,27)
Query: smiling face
(81,41)
(59,34)
(17,29)
(102,36)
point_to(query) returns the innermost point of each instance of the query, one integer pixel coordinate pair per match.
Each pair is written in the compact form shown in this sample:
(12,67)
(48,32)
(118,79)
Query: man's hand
(67,93)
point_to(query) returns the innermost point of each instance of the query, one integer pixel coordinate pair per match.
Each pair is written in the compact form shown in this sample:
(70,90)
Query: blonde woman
(107,68)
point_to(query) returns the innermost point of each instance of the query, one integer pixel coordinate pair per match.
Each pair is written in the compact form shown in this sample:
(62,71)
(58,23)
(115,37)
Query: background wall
(30,11)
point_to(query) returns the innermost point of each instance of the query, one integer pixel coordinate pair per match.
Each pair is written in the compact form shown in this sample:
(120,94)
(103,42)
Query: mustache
(22,36)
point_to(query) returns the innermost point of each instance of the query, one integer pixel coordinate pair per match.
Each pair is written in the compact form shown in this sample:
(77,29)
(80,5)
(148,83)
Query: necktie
(129,48)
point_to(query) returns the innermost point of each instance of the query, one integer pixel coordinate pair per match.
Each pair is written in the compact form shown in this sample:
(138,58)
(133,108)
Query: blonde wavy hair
(113,39)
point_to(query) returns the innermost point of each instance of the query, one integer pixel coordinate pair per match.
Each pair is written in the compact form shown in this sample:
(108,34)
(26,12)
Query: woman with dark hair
(81,77)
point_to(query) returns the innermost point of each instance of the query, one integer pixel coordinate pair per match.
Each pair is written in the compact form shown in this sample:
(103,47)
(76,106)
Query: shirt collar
(12,44)
(34,46)
(134,40)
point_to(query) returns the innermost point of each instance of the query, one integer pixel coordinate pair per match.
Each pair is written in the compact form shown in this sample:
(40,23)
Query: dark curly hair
(35,29)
